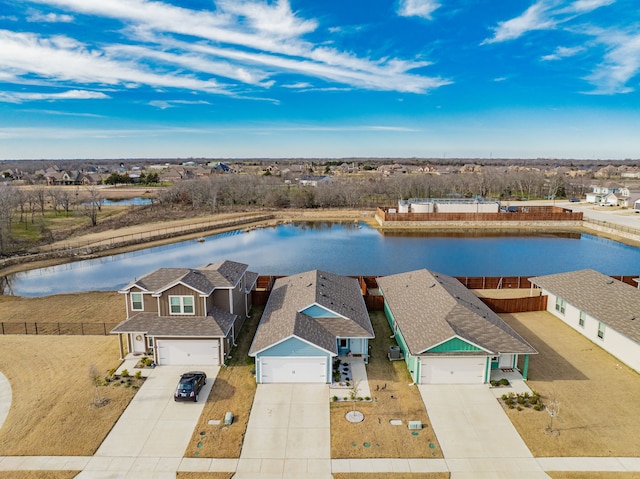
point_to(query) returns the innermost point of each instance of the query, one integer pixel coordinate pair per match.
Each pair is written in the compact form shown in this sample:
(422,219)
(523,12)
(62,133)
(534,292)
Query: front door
(139,345)
(343,347)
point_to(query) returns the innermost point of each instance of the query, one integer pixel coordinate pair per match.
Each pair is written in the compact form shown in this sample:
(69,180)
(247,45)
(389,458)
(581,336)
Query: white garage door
(293,370)
(452,370)
(188,351)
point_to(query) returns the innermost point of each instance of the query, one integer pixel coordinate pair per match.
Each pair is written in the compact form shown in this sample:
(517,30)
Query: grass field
(52,393)
(39,474)
(599,411)
(399,475)
(398,400)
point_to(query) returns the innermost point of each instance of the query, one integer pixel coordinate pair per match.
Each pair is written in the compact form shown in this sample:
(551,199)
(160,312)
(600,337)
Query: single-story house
(446,334)
(603,309)
(186,316)
(309,319)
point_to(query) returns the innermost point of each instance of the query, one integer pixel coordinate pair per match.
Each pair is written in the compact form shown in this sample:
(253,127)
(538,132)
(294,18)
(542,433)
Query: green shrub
(504,382)
(125,373)
(504,397)
(138,374)
(334,398)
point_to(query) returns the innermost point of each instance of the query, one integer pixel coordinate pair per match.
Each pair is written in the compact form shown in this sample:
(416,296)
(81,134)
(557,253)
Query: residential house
(309,319)
(604,310)
(614,195)
(186,316)
(445,333)
(313,180)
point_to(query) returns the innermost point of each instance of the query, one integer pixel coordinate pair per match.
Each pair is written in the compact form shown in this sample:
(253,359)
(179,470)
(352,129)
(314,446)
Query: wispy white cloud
(164,104)
(36,16)
(536,17)
(298,85)
(21,97)
(544,15)
(418,8)
(257,40)
(563,52)
(621,63)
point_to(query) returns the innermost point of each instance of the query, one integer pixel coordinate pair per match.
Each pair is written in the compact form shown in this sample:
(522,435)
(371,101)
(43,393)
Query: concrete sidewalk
(5,398)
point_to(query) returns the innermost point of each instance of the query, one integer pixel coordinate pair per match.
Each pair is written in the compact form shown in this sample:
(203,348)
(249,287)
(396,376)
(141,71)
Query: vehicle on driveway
(189,386)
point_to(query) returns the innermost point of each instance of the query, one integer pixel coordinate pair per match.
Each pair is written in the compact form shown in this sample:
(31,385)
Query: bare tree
(93,206)
(8,202)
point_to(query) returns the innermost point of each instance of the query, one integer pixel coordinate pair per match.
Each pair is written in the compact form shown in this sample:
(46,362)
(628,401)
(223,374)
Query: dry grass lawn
(398,401)
(95,307)
(233,391)
(203,475)
(599,411)
(51,410)
(38,474)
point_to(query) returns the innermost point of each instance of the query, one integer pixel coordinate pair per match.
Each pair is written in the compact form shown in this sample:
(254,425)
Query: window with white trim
(136,302)
(583,316)
(561,305)
(601,330)
(181,305)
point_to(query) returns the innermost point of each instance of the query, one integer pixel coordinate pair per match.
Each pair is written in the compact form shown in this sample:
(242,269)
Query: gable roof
(216,324)
(221,275)
(283,317)
(606,299)
(430,308)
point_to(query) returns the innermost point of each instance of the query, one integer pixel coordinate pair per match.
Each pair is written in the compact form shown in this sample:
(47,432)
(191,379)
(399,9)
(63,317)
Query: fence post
(104,327)
(58,329)
(2,328)
(82,328)
(35,325)
(25,328)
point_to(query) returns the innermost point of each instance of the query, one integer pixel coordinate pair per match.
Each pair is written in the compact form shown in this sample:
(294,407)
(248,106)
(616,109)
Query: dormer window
(136,302)
(181,305)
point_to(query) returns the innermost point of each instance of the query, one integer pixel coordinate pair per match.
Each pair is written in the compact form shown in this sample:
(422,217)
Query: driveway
(475,434)
(288,434)
(154,425)
(5,398)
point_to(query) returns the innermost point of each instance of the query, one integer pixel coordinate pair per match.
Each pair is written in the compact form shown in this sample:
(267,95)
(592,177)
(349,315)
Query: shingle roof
(216,324)
(205,279)
(282,318)
(608,300)
(431,308)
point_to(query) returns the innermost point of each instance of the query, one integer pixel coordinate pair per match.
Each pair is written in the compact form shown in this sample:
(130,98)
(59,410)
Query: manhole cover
(354,416)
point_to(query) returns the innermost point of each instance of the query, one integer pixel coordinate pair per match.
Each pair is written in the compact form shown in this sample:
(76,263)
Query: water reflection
(344,248)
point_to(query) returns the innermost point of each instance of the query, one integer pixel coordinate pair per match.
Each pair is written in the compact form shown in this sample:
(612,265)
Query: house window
(601,330)
(583,315)
(181,304)
(136,302)
(150,341)
(343,343)
(561,305)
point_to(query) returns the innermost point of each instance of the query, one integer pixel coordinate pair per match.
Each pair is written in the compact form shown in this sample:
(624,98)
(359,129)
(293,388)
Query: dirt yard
(593,475)
(375,436)
(52,394)
(94,307)
(599,412)
(39,474)
(204,475)
(399,475)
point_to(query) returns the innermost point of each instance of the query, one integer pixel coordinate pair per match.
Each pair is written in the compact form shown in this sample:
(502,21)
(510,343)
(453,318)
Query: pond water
(342,248)
(137,201)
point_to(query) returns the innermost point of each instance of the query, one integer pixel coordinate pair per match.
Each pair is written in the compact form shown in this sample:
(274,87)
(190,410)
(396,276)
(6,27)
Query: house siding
(618,345)
(413,364)
(180,290)
(220,299)
(292,348)
(316,311)
(454,345)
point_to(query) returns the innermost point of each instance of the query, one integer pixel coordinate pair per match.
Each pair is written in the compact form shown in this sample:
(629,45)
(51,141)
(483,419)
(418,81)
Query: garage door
(452,370)
(185,351)
(293,370)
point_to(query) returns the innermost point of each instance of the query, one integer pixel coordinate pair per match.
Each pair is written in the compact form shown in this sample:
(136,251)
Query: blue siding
(293,347)
(316,311)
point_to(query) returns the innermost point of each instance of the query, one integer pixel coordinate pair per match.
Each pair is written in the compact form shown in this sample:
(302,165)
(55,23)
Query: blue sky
(309,78)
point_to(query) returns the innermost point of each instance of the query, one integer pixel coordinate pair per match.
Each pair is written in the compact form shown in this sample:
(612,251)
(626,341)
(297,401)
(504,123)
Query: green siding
(454,345)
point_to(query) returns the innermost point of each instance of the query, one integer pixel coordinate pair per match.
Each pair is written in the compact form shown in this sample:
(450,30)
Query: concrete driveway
(475,434)
(288,434)
(154,425)
(5,398)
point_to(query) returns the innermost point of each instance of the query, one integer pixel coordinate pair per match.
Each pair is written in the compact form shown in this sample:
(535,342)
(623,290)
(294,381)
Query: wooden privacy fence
(516,305)
(529,213)
(494,282)
(57,329)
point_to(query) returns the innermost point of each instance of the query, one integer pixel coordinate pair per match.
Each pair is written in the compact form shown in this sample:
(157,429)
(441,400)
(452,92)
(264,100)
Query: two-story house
(186,316)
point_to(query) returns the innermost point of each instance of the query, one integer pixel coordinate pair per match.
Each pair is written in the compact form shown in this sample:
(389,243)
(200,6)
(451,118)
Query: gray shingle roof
(205,279)
(282,317)
(216,324)
(600,296)
(431,308)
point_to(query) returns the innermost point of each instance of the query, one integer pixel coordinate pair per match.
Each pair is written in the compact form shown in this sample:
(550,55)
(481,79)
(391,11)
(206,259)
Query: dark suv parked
(189,386)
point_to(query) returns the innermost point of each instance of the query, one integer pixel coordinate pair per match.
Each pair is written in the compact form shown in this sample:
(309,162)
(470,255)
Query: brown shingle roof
(282,317)
(222,275)
(217,324)
(431,308)
(600,296)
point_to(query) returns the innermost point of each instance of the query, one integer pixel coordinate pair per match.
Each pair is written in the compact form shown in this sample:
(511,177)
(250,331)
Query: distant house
(309,319)
(614,195)
(445,333)
(604,310)
(186,316)
(313,180)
